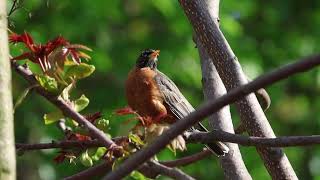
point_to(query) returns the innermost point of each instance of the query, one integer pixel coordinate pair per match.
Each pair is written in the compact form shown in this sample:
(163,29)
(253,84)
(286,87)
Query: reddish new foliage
(125,111)
(77,136)
(60,157)
(40,53)
(145,121)
(93,117)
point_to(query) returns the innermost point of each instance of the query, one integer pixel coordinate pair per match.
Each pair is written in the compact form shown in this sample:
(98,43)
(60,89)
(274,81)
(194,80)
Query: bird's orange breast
(143,94)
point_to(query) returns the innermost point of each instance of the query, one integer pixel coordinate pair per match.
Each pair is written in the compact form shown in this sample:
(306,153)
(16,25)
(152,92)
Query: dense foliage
(263,35)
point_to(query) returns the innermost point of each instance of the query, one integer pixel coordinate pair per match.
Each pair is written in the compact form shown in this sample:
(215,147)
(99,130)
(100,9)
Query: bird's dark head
(148,58)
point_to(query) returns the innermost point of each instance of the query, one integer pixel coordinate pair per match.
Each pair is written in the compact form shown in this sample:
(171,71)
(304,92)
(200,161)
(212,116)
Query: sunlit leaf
(81,103)
(66,91)
(52,117)
(136,139)
(85,159)
(49,83)
(100,152)
(138,176)
(80,71)
(102,124)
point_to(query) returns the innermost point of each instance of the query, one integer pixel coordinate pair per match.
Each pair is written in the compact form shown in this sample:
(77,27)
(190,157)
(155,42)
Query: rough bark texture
(229,69)
(7,148)
(232,164)
(213,87)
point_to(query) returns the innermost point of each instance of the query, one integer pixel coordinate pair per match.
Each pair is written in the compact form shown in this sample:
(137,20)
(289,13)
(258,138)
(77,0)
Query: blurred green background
(263,34)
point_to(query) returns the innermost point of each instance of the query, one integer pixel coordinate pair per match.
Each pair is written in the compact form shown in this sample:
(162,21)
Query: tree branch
(213,87)
(208,108)
(94,171)
(167,171)
(65,108)
(7,153)
(184,161)
(282,141)
(65,144)
(230,71)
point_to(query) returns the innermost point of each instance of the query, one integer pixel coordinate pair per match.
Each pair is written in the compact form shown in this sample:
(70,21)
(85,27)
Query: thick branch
(167,171)
(283,141)
(7,153)
(230,71)
(232,163)
(213,87)
(64,106)
(208,108)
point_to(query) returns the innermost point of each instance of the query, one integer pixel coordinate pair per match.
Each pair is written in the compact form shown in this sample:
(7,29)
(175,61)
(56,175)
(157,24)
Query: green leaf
(138,176)
(136,139)
(102,124)
(80,71)
(66,92)
(52,117)
(48,83)
(81,103)
(99,153)
(85,159)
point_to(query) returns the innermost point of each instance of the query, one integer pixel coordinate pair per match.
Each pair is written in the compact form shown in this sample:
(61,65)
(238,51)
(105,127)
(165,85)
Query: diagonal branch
(66,109)
(213,87)
(230,71)
(208,108)
(168,171)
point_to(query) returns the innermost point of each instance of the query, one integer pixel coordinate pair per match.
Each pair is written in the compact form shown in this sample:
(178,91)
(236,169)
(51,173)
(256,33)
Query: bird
(151,93)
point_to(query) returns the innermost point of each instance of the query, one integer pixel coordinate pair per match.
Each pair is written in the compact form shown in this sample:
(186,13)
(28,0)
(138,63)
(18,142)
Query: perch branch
(282,141)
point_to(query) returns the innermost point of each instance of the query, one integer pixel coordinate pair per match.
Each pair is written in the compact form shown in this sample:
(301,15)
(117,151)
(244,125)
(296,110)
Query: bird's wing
(180,107)
(177,103)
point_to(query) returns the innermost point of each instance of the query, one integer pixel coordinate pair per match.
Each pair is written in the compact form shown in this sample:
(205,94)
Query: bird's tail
(217,148)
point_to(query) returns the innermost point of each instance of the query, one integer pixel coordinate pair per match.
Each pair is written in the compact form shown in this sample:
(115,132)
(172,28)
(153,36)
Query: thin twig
(66,108)
(170,172)
(94,171)
(184,161)
(282,141)
(211,107)
(65,144)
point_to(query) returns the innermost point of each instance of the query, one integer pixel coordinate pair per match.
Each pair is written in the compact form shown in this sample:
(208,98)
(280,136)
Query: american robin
(151,93)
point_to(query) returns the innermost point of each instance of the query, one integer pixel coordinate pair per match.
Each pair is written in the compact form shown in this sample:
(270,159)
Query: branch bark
(213,87)
(251,114)
(7,151)
(66,109)
(184,161)
(208,108)
(282,141)
(64,144)
(167,171)
(232,163)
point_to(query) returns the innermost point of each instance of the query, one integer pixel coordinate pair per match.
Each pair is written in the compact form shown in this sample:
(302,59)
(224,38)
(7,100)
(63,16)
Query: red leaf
(77,136)
(125,111)
(60,157)
(93,117)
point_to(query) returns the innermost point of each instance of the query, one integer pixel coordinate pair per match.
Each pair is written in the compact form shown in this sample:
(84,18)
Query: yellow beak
(155,54)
